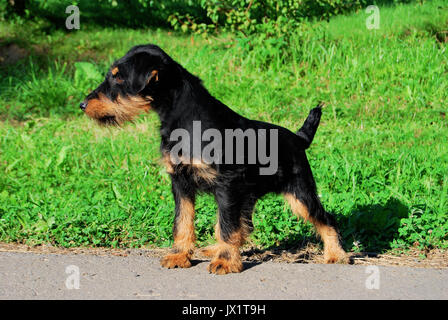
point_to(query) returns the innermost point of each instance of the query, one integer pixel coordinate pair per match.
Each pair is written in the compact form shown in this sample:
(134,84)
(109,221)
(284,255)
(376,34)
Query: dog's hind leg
(183,229)
(233,226)
(324,224)
(305,203)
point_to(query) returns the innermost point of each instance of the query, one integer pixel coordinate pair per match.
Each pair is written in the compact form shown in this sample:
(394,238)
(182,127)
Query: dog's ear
(143,70)
(139,81)
(149,69)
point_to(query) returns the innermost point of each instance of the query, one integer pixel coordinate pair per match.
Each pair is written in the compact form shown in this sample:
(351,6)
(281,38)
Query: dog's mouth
(114,113)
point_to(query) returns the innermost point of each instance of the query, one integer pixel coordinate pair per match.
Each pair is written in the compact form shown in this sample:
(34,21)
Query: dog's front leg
(183,229)
(233,226)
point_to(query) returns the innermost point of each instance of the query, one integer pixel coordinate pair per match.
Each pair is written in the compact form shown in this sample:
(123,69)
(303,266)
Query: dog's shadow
(366,231)
(373,228)
(246,264)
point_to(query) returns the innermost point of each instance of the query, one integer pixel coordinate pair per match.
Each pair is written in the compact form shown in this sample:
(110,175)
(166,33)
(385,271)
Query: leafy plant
(378,158)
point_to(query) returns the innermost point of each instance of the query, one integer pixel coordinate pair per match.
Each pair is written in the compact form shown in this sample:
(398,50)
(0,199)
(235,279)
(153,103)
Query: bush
(247,15)
(4,6)
(135,14)
(190,15)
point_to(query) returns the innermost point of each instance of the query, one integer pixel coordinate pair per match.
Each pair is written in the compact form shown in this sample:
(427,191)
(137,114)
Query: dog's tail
(309,128)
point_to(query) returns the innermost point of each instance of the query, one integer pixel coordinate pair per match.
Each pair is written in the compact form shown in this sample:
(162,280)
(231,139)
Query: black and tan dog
(146,78)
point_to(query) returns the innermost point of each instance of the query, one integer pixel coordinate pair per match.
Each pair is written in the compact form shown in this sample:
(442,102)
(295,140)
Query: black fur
(179,98)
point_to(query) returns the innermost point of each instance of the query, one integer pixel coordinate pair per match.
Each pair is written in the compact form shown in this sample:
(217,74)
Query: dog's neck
(176,101)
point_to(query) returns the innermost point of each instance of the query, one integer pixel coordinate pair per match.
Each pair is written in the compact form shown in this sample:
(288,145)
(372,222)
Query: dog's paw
(209,251)
(176,260)
(224,266)
(336,255)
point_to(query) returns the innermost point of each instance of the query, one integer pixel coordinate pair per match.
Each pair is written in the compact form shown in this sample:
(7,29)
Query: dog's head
(130,85)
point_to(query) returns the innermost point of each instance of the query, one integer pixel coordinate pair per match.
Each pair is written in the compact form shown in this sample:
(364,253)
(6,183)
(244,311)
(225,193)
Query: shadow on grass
(372,228)
(368,230)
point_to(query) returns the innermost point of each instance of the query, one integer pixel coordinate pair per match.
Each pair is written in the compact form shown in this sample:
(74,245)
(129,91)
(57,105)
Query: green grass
(379,158)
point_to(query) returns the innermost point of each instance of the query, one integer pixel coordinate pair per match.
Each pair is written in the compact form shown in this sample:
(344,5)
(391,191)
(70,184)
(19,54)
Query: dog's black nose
(83,106)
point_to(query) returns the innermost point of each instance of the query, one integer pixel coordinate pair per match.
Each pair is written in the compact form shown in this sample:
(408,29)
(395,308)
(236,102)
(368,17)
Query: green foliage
(87,75)
(421,229)
(272,26)
(252,16)
(201,16)
(378,158)
(49,91)
(138,13)
(3,9)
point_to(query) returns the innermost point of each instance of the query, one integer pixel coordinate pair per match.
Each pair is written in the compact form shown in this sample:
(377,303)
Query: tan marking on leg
(333,251)
(184,237)
(227,257)
(210,251)
(176,260)
(297,207)
(237,239)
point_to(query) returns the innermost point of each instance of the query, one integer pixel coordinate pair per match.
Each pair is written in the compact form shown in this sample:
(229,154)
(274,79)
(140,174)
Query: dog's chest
(200,172)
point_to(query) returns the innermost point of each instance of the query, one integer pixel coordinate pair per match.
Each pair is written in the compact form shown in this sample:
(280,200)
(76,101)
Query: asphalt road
(55,276)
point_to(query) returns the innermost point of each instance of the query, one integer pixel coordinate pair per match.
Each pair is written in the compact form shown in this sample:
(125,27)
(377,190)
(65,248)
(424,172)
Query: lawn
(380,156)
